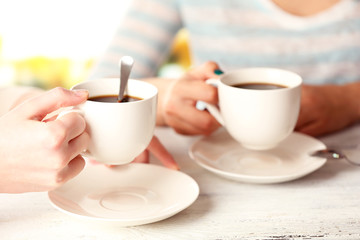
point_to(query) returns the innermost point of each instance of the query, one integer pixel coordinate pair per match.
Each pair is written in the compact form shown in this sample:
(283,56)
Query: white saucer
(222,155)
(129,195)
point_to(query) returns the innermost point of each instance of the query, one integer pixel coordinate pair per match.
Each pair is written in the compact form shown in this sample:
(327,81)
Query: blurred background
(55,43)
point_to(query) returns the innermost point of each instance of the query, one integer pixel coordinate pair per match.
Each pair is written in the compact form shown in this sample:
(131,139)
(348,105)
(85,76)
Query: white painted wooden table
(322,205)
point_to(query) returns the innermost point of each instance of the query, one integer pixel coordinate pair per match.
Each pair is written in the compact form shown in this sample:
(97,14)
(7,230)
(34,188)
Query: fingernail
(218,72)
(175,167)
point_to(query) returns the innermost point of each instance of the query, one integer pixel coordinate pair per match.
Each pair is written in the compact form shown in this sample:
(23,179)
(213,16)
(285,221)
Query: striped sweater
(323,48)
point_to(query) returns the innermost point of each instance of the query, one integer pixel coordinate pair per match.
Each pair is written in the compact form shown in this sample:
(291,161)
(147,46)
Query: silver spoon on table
(352,155)
(126,63)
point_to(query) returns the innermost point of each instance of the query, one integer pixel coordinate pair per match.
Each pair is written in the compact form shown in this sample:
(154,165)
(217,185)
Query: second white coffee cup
(254,115)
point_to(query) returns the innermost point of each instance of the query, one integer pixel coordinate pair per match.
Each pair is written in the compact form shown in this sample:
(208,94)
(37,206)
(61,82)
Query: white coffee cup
(258,119)
(119,132)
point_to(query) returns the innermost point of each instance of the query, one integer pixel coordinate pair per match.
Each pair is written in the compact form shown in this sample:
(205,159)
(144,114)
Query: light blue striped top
(323,48)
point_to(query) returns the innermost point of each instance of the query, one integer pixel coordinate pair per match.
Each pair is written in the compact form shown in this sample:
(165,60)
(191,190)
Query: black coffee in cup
(114,98)
(259,86)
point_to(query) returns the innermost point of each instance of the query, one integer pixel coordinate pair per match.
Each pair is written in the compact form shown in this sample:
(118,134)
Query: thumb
(38,107)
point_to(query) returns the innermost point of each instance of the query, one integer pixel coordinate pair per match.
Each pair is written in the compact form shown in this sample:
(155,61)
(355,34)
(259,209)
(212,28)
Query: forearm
(163,85)
(13,96)
(351,93)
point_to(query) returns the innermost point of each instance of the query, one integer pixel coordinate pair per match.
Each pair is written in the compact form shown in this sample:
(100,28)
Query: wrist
(163,85)
(352,93)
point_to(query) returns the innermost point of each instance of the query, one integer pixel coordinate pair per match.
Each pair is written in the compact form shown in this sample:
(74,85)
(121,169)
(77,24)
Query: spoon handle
(335,154)
(328,153)
(126,64)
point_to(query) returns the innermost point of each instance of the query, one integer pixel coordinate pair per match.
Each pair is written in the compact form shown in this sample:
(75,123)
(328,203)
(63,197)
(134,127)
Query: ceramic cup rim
(151,90)
(279,76)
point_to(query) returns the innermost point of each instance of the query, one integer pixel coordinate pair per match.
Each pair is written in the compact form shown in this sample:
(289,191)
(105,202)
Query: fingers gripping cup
(119,132)
(259,107)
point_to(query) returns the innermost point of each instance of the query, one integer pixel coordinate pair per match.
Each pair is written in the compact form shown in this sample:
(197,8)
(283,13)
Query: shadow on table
(332,169)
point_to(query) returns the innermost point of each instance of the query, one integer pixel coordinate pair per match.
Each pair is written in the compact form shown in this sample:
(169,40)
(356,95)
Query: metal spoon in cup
(126,63)
(352,155)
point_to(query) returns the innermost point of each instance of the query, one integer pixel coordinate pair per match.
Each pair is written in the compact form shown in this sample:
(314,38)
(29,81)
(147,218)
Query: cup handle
(69,110)
(213,109)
